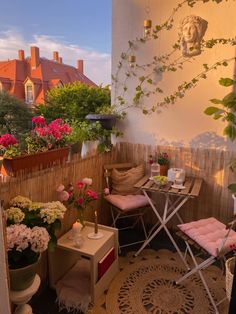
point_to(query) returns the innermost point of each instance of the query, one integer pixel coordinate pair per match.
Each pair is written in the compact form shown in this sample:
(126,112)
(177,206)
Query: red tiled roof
(46,75)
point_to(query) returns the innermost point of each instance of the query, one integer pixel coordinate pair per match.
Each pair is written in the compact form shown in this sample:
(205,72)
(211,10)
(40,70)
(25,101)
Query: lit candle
(95,222)
(76,228)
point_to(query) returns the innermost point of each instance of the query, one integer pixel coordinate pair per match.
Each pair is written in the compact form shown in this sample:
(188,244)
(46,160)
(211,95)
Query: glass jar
(155,169)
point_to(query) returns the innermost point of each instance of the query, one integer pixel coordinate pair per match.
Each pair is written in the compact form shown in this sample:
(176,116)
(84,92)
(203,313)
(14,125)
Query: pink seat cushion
(127,202)
(209,233)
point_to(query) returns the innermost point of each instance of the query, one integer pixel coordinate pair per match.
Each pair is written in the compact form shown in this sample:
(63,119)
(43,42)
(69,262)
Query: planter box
(26,163)
(107,121)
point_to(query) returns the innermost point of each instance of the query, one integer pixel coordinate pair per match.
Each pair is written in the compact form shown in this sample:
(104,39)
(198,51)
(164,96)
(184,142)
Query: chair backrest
(120,166)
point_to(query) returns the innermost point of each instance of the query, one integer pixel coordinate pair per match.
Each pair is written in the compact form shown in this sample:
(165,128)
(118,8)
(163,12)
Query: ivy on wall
(143,74)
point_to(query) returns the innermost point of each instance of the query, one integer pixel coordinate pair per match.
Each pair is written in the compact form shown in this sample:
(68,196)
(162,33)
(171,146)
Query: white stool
(20,298)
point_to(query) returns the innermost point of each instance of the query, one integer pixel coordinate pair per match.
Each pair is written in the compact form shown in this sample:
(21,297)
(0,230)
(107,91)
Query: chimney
(55,56)
(60,60)
(34,57)
(80,66)
(21,55)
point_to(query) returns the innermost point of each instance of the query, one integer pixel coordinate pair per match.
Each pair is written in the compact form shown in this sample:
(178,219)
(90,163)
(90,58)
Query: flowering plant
(163,159)
(25,244)
(9,145)
(80,197)
(47,136)
(34,214)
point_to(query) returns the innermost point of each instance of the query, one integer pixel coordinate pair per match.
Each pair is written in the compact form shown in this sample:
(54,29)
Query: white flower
(20,201)
(35,206)
(87,181)
(39,239)
(18,237)
(15,214)
(52,211)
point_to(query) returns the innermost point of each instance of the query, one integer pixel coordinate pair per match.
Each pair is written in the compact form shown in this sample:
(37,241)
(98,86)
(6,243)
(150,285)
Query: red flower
(92,194)
(80,184)
(80,201)
(7,140)
(39,120)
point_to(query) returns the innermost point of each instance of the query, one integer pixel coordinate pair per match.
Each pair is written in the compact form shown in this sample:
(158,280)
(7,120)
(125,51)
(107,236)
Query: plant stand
(20,298)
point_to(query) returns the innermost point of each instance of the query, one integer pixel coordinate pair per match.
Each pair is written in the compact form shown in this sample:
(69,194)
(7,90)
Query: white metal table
(174,200)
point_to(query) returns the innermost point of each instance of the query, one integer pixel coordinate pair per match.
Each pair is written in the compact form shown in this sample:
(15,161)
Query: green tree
(15,116)
(73,101)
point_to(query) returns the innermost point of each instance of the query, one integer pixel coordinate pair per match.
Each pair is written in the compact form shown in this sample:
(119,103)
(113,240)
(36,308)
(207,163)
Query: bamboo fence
(211,165)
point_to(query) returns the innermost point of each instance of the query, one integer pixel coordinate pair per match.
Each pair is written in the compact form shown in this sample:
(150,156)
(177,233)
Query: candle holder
(95,235)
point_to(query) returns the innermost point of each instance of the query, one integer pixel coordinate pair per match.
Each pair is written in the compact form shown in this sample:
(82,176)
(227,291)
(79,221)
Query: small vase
(81,216)
(22,278)
(163,170)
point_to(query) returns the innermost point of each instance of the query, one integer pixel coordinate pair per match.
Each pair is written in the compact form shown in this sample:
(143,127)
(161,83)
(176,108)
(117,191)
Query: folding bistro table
(174,200)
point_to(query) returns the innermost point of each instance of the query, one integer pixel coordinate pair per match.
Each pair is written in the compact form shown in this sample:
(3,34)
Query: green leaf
(211,110)
(145,111)
(230,131)
(142,78)
(232,187)
(225,63)
(226,81)
(149,81)
(229,100)
(216,101)
(230,117)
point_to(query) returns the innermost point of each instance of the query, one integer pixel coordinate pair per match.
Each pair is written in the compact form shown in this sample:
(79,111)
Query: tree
(15,116)
(73,101)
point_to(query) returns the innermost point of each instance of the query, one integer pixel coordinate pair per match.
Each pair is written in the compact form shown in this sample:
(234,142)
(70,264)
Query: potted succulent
(47,144)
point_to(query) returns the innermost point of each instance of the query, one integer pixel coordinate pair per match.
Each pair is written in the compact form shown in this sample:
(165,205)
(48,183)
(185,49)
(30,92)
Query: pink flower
(63,196)
(80,184)
(106,191)
(7,140)
(39,120)
(60,188)
(92,194)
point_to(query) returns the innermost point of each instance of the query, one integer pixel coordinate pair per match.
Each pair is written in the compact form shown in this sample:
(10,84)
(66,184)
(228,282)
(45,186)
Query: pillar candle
(95,222)
(76,228)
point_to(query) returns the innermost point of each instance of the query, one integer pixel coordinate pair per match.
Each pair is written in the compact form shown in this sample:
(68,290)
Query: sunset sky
(77,29)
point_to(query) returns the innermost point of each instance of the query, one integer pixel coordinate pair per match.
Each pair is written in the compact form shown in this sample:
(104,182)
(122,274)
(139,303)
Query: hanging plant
(162,64)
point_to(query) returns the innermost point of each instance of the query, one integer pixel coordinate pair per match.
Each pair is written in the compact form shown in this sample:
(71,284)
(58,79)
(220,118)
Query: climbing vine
(159,65)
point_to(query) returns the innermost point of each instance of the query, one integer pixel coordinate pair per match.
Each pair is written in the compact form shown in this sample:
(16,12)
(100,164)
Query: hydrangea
(20,237)
(15,214)
(21,202)
(39,239)
(36,206)
(52,211)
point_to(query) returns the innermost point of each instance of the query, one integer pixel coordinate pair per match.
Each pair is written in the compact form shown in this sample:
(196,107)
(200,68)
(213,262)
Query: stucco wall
(184,123)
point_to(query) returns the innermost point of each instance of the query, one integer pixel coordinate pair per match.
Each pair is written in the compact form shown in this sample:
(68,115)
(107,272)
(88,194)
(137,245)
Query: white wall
(184,123)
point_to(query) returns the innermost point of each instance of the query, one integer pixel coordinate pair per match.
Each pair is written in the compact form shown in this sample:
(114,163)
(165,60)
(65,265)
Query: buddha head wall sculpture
(192,30)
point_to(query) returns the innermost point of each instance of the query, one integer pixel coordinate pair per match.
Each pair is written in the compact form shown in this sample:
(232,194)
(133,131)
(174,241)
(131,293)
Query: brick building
(30,78)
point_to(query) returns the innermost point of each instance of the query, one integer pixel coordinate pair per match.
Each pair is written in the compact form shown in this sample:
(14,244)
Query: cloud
(97,66)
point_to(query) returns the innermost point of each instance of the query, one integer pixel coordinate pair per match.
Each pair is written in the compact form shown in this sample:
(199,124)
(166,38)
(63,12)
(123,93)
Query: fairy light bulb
(147,26)
(132,60)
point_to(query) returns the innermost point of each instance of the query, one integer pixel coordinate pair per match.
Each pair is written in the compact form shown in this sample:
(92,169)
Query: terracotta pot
(22,278)
(43,160)
(163,170)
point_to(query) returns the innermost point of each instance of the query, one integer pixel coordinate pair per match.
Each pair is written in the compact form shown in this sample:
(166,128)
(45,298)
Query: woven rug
(145,284)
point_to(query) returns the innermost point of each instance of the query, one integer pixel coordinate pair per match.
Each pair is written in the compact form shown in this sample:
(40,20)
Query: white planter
(89,148)
(113,139)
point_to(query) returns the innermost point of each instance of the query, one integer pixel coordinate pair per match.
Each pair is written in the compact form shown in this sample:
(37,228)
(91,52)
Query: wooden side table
(67,254)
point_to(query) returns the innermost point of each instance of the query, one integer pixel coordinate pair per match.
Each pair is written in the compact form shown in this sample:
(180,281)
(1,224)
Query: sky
(77,29)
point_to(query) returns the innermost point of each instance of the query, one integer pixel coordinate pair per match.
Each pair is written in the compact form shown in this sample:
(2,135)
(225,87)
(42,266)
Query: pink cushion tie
(127,202)
(209,233)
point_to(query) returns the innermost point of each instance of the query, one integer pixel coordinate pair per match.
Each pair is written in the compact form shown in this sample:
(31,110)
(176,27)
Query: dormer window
(29,93)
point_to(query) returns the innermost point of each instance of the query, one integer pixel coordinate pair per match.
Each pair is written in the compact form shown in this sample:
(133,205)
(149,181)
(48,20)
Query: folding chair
(215,239)
(125,206)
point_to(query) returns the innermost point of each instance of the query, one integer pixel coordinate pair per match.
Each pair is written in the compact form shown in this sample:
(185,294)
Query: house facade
(30,78)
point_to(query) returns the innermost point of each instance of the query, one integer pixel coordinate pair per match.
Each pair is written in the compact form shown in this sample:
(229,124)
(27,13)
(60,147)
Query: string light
(147,23)
(132,61)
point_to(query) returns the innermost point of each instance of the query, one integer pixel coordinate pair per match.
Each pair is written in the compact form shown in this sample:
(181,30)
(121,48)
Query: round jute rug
(145,284)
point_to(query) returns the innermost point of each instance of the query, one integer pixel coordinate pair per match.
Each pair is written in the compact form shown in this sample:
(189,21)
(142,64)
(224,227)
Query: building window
(29,97)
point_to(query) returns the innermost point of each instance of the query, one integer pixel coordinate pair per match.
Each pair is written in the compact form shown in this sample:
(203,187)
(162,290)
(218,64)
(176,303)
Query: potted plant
(30,231)
(106,115)
(47,144)
(163,161)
